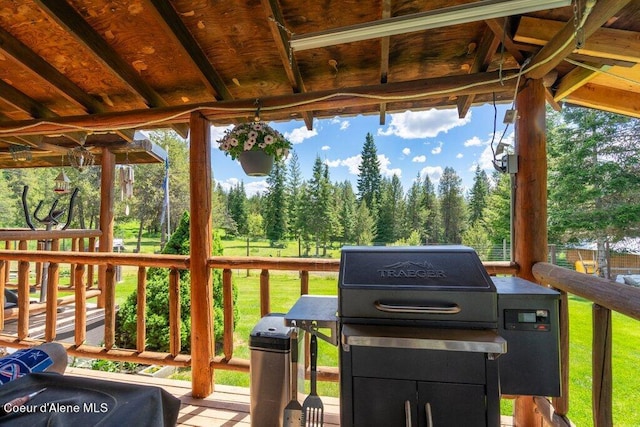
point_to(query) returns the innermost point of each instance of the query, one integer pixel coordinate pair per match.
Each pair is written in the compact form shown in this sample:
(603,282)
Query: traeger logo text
(411,270)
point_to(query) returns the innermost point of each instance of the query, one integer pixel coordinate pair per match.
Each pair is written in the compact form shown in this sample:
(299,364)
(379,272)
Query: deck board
(227,406)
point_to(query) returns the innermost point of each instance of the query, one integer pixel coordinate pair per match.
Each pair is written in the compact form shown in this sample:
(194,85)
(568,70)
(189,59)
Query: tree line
(594,194)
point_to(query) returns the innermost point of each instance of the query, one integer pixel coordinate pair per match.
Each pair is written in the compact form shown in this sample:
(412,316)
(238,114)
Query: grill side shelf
(315,314)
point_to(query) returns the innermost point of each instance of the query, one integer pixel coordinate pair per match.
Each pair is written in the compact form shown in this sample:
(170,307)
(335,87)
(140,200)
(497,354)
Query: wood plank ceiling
(92,72)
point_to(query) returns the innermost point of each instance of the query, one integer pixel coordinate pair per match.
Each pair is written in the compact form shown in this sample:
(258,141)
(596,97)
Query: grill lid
(455,268)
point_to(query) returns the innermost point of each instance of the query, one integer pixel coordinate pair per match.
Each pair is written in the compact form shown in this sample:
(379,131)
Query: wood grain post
(227,292)
(304,282)
(107,198)
(23,294)
(202,345)
(109,295)
(561,404)
(601,372)
(52,296)
(265,294)
(90,267)
(80,292)
(141,310)
(174,312)
(72,267)
(530,204)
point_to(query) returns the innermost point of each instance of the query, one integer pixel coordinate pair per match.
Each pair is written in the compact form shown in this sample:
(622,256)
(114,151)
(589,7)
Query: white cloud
(459,156)
(406,151)
(434,172)
(344,124)
(353,163)
(438,149)
(474,142)
(419,159)
(423,124)
(384,167)
(218,132)
(298,135)
(325,148)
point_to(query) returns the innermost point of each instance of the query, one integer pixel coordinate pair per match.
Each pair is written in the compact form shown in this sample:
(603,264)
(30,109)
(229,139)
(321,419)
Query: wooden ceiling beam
(43,70)
(71,21)
(384,58)
(281,39)
(573,80)
(32,107)
(563,43)
(606,99)
(501,28)
(174,25)
(280,107)
(484,53)
(606,43)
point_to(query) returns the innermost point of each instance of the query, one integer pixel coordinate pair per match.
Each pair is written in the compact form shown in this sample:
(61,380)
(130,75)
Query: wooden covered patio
(86,74)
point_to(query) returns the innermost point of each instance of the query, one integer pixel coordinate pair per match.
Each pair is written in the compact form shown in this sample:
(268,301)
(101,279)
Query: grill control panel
(527,320)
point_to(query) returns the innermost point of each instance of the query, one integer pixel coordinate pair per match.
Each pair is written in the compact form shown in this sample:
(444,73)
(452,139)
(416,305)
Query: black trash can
(272,345)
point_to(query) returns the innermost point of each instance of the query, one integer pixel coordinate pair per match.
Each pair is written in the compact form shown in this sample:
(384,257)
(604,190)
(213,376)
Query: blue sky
(409,144)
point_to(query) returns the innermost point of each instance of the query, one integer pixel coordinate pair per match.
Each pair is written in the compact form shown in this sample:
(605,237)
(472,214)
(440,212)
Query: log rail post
(202,344)
(530,202)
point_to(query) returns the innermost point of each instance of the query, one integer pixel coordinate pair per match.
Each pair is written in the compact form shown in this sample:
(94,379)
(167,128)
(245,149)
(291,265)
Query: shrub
(157,312)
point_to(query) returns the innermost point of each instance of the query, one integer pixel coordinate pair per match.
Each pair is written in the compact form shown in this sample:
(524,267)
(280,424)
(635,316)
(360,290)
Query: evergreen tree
(276,206)
(320,204)
(415,210)
(237,202)
(369,177)
(346,212)
(595,177)
(432,228)
(365,225)
(451,206)
(478,196)
(294,194)
(390,212)
(497,216)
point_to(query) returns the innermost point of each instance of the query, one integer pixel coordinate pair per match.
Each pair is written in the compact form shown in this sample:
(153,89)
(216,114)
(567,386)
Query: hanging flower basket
(256,146)
(256,163)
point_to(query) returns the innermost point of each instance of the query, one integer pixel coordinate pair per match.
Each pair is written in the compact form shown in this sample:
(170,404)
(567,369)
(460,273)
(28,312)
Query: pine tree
(276,206)
(391,211)
(451,206)
(365,225)
(432,228)
(237,202)
(294,193)
(415,210)
(320,204)
(347,207)
(369,177)
(498,212)
(478,196)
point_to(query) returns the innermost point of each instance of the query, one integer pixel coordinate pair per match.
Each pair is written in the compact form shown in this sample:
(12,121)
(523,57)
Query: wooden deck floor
(227,406)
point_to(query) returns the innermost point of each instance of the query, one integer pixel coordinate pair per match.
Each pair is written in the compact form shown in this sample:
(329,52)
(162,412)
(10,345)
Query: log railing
(607,296)
(81,261)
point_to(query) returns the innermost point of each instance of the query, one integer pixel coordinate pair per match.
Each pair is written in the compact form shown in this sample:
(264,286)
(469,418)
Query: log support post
(530,202)
(202,344)
(107,198)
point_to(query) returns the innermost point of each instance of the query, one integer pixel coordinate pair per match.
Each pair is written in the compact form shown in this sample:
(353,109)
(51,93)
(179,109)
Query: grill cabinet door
(452,404)
(382,402)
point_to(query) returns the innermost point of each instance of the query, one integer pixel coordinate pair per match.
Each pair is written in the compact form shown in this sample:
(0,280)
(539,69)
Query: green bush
(157,312)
